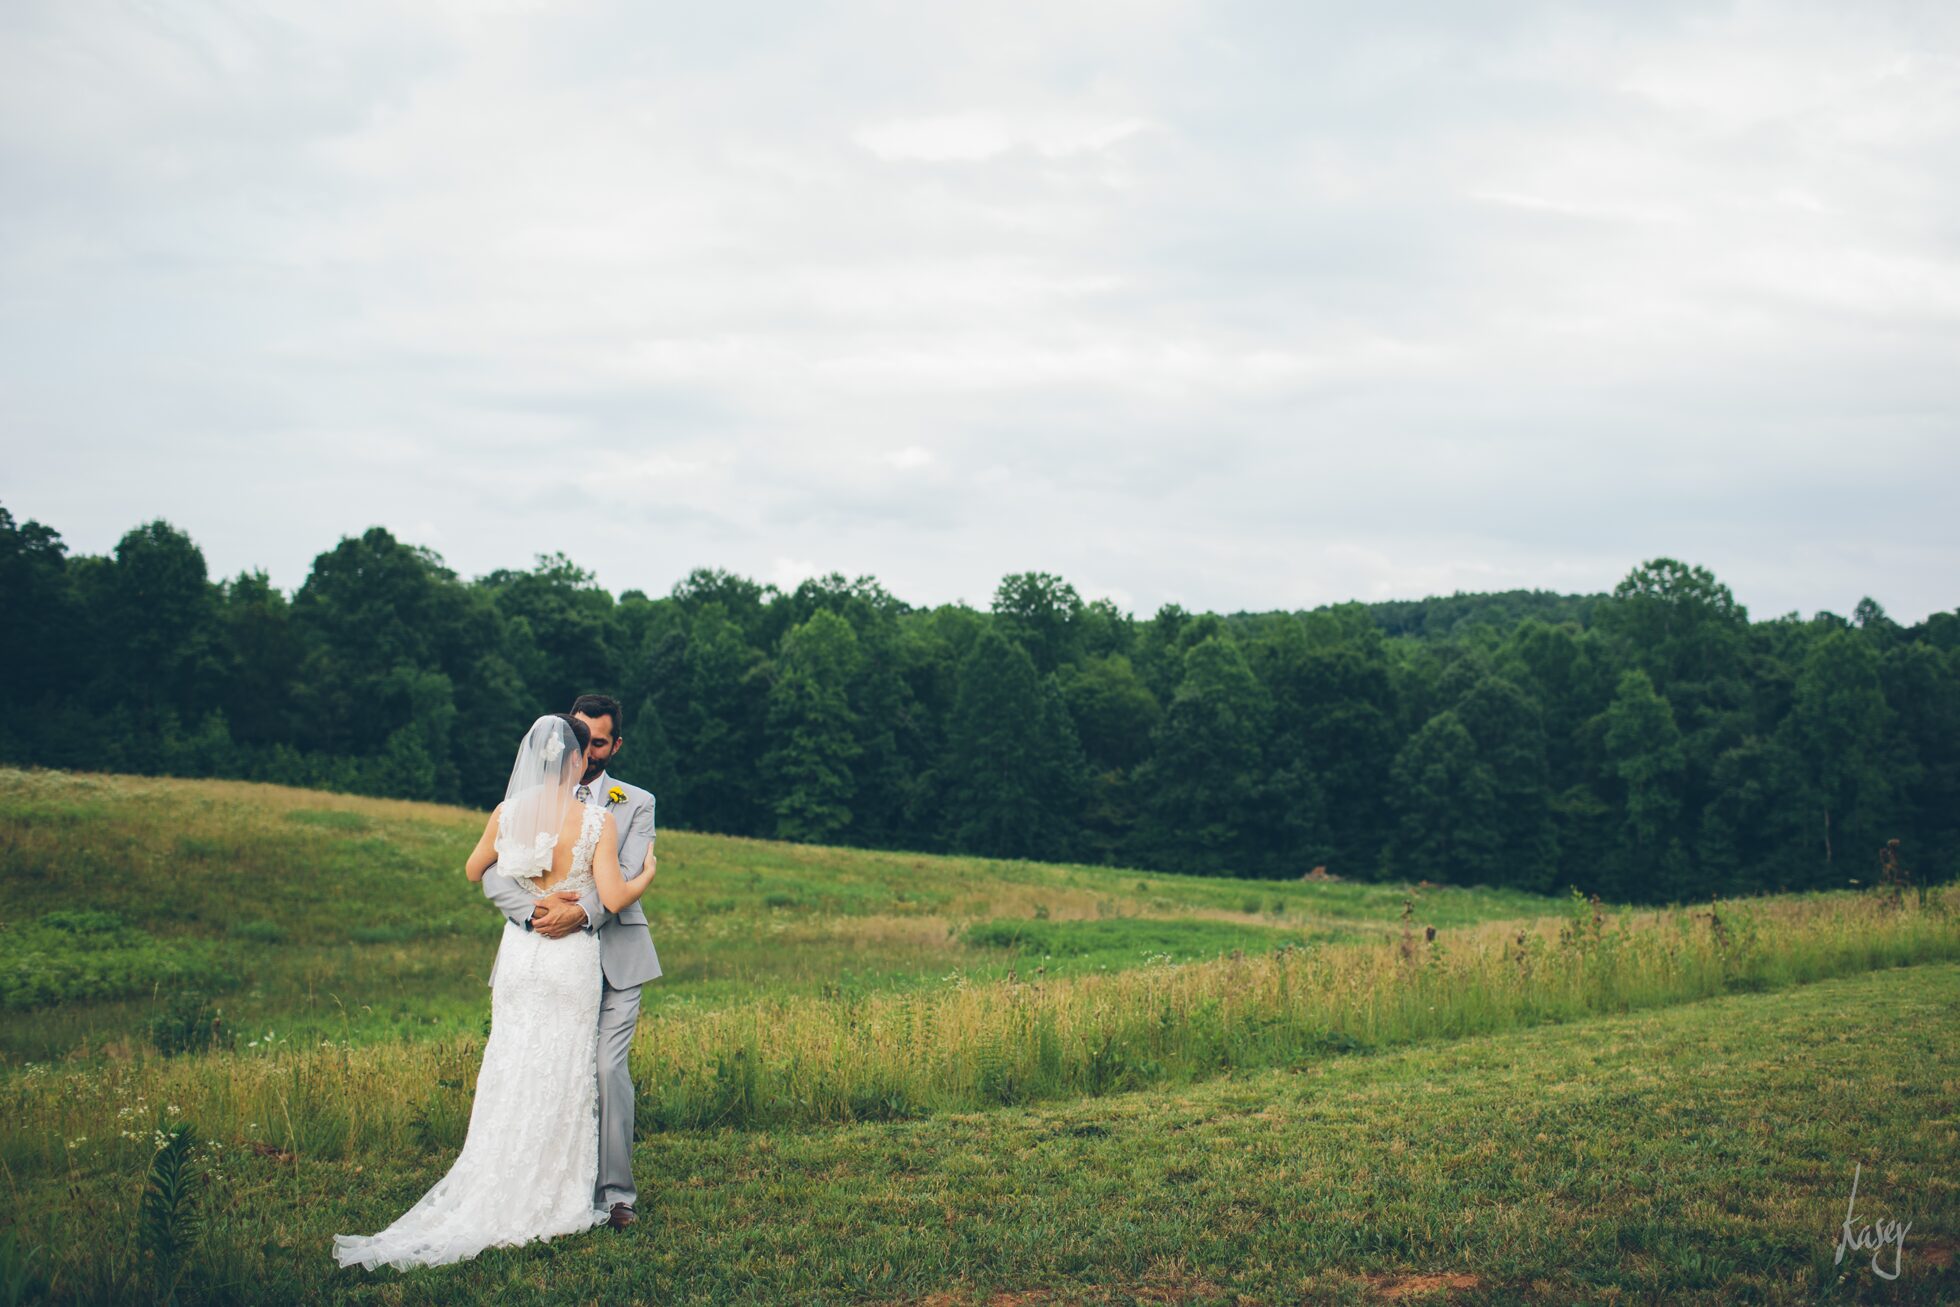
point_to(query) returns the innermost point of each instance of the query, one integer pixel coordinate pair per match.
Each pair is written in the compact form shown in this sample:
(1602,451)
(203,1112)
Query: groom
(626,953)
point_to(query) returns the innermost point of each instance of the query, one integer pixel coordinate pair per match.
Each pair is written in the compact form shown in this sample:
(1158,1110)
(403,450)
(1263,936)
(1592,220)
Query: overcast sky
(1232,305)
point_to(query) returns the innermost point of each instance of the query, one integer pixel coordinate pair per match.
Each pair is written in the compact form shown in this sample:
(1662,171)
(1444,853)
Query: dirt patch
(1402,1288)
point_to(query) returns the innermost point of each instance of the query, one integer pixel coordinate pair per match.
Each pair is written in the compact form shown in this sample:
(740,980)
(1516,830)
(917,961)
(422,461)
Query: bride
(532,1153)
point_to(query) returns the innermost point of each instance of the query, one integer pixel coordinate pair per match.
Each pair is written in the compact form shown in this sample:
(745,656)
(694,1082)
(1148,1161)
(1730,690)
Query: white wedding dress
(531,1158)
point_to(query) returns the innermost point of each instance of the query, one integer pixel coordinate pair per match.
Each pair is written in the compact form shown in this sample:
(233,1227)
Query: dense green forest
(1653,744)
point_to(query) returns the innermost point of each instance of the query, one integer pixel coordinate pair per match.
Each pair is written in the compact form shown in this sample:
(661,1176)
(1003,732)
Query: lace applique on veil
(580,877)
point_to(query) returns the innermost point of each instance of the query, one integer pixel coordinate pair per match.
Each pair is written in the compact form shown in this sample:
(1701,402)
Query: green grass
(1700,1153)
(1127,942)
(799,1059)
(885,1077)
(349,918)
(69,957)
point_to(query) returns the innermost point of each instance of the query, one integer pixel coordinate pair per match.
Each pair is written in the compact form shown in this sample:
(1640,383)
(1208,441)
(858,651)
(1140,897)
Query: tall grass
(805,1060)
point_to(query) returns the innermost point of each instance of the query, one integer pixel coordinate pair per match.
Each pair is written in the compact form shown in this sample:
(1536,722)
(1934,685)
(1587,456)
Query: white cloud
(965,136)
(982,134)
(788,573)
(1576,208)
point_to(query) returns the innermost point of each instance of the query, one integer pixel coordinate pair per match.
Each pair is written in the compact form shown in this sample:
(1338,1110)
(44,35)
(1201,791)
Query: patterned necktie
(583,793)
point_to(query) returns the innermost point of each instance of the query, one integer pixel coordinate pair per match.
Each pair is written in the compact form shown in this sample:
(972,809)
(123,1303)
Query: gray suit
(627,956)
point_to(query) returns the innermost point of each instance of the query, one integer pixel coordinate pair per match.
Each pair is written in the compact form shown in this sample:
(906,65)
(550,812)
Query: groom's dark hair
(601,705)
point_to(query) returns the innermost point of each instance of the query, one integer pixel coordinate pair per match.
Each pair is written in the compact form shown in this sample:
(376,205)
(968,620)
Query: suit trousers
(619,1013)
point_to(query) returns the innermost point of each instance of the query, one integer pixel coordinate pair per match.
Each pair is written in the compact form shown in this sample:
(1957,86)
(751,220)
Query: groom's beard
(593,770)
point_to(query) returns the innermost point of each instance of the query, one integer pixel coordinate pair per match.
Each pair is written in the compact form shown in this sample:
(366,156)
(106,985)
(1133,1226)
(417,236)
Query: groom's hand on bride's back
(558,915)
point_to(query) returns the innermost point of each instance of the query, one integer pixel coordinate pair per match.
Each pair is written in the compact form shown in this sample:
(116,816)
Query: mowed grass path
(1697,1153)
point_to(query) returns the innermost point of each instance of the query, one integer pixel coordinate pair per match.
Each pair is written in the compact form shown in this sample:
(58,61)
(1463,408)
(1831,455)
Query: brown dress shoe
(622,1216)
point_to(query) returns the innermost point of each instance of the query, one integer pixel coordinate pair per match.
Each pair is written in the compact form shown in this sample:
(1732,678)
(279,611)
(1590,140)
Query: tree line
(1653,744)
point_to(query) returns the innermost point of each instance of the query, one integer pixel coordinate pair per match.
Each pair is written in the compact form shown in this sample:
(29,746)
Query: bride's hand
(648,867)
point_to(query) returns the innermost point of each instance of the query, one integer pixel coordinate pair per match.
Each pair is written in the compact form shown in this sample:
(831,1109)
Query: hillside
(312,914)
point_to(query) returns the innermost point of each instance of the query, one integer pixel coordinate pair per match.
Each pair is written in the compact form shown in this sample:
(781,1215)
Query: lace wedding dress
(531,1158)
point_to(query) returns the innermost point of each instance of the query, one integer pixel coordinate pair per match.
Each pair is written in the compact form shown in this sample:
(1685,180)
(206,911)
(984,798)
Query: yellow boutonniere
(616,795)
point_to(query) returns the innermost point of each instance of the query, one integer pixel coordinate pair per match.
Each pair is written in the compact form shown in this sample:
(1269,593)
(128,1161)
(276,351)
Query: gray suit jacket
(626,949)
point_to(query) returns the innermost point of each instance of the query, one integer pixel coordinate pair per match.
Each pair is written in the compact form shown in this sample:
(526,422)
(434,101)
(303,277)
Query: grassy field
(326,916)
(894,1078)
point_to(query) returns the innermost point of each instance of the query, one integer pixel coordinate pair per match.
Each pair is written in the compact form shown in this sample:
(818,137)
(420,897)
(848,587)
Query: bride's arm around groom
(636,860)
(616,892)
